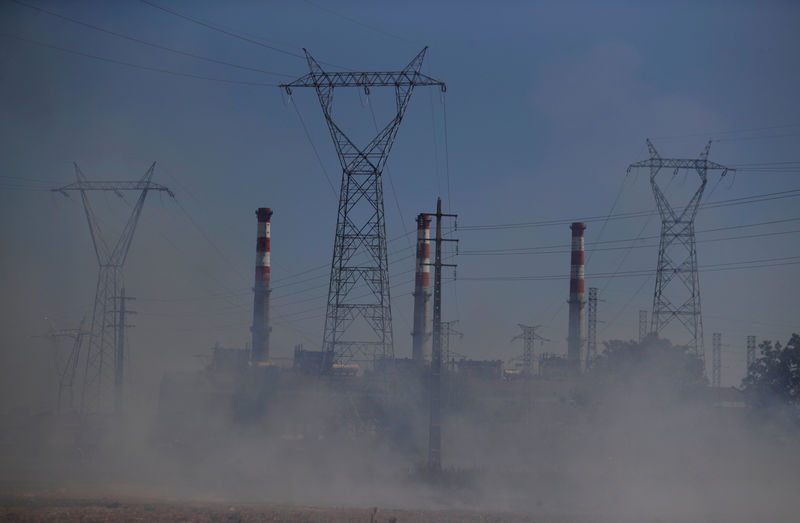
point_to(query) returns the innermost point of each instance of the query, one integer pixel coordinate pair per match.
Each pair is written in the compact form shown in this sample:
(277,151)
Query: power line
(791,193)
(734,131)
(313,147)
(221,30)
(748,264)
(523,250)
(151,44)
(231,33)
(136,66)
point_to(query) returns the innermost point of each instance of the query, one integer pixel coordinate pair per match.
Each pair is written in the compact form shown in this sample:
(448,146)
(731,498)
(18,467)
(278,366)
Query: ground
(77,505)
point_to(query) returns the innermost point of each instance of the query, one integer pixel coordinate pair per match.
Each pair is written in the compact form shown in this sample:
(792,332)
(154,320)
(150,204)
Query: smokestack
(576,348)
(421,336)
(261,326)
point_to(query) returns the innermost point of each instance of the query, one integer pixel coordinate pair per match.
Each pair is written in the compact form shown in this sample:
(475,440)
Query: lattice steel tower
(642,325)
(591,322)
(360,260)
(101,362)
(750,354)
(529,336)
(677,289)
(716,359)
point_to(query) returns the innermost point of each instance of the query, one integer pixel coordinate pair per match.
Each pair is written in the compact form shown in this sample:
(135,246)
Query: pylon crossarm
(329,80)
(679,163)
(114,186)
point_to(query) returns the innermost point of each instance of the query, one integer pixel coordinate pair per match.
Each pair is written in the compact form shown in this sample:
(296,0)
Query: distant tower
(261,323)
(421,336)
(677,289)
(529,336)
(576,348)
(358,321)
(447,331)
(642,325)
(751,353)
(591,315)
(105,345)
(716,359)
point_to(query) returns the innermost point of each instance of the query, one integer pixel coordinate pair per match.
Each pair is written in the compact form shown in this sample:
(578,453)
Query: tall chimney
(576,348)
(421,336)
(261,326)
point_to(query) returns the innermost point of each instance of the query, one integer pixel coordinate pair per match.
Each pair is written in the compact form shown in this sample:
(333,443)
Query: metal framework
(359,252)
(716,359)
(591,320)
(677,288)
(66,364)
(447,332)
(529,336)
(101,363)
(642,325)
(751,353)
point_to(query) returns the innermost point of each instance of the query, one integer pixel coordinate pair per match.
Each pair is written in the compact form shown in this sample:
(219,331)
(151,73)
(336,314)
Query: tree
(772,384)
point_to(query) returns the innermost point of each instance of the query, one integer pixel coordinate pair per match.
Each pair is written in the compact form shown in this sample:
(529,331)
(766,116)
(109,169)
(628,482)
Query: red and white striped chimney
(261,325)
(421,336)
(576,347)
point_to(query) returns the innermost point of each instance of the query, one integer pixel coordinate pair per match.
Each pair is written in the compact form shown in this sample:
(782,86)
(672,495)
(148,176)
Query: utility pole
(435,425)
(111,261)
(359,327)
(716,359)
(529,336)
(642,325)
(119,356)
(448,329)
(677,289)
(751,353)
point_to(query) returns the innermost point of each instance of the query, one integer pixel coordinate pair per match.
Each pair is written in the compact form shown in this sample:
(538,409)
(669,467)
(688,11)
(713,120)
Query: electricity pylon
(677,289)
(750,354)
(529,336)
(101,362)
(642,325)
(716,359)
(360,261)
(67,364)
(447,331)
(591,321)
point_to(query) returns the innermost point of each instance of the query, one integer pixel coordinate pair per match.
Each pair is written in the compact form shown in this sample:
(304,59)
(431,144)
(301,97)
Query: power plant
(357,380)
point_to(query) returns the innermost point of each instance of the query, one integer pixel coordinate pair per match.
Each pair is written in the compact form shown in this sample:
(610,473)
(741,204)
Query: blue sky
(547,103)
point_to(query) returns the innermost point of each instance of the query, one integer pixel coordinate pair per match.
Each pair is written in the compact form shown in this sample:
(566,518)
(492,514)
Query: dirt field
(60,505)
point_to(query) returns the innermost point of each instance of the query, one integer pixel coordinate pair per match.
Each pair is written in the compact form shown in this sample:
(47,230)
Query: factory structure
(360,379)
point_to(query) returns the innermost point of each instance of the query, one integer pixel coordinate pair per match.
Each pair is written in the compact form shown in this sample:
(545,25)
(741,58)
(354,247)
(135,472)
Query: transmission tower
(360,225)
(66,365)
(716,359)
(751,353)
(642,325)
(102,362)
(447,332)
(529,336)
(677,289)
(591,333)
